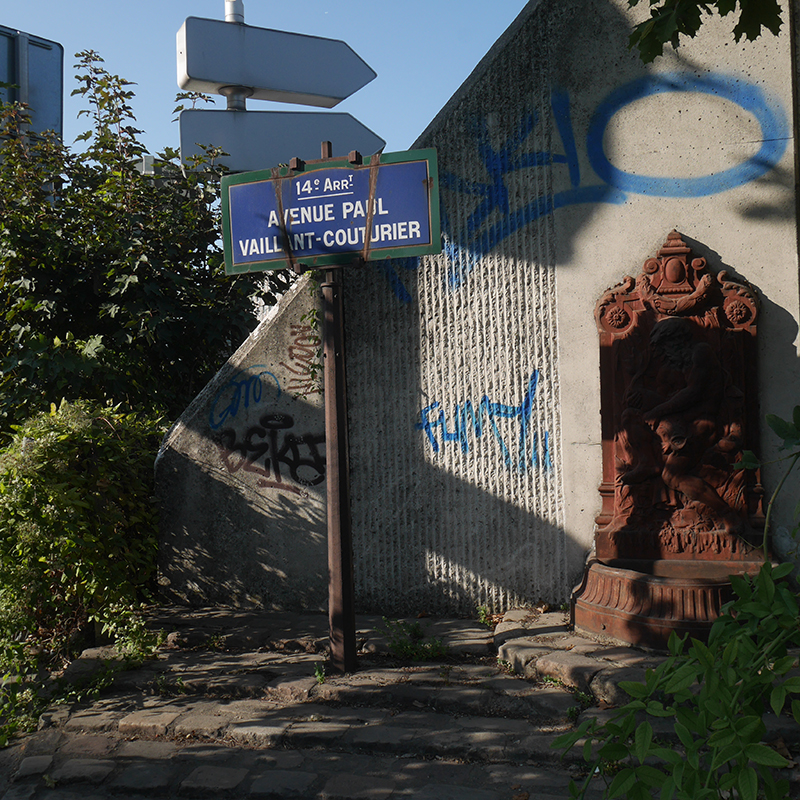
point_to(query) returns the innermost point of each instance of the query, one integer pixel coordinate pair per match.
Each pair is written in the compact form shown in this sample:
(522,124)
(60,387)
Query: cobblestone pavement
(233,707)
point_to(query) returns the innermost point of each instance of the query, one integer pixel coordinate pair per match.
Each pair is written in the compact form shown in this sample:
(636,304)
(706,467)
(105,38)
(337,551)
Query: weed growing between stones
(407,641)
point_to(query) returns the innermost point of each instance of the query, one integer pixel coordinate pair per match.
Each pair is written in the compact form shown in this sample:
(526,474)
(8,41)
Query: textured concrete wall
(564,163)
(241,476)
(473,376)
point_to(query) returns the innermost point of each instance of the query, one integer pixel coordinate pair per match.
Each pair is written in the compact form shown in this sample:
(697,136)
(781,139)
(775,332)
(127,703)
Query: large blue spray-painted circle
(770,117)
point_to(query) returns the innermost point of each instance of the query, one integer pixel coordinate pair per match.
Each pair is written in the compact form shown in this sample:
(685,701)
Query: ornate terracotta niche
(678,405)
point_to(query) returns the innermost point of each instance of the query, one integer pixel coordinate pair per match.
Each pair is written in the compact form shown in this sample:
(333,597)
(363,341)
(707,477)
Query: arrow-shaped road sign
(256,140)
(274,65)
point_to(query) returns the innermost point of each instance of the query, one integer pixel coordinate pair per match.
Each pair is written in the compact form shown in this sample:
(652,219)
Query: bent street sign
(274,65)
(332,212)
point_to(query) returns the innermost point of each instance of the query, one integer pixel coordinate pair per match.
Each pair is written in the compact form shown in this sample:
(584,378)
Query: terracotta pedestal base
(642,602)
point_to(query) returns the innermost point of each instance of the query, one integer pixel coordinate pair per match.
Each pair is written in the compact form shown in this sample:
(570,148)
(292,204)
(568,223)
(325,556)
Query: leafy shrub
(112,284)
(78,527)
(714,697)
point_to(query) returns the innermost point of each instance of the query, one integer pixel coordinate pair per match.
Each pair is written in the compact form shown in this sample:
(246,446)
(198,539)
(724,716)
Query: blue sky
(422,51)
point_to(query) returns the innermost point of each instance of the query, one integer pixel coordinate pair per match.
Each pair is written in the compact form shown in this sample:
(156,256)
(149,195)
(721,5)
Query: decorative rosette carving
(614,313)
(740,304)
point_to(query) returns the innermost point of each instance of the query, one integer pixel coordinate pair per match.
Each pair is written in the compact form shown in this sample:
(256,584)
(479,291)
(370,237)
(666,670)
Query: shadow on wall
(479,521)
(235,548)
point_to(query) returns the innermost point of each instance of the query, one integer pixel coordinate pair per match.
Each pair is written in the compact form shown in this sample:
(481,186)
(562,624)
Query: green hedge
(78,527)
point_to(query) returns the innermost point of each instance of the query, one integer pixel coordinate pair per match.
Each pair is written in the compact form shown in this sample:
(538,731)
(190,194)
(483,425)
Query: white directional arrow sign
(262,139)
(273,65)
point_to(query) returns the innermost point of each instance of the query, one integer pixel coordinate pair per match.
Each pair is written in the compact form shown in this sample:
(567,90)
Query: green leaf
(777,699)
(684,735)
(683,678)
(748,460)
(613,751)
(785,430)
(642,740)
(765,756)
(748,784)
(623,781)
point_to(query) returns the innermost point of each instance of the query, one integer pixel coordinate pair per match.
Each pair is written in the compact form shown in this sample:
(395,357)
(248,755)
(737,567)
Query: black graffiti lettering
(270,451)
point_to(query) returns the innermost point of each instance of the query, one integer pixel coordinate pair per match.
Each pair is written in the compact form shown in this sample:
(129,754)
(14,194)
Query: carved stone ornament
(678,407)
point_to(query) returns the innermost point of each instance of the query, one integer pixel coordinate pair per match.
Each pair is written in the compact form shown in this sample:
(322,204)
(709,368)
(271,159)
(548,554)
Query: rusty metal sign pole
(341,589)
(341,593)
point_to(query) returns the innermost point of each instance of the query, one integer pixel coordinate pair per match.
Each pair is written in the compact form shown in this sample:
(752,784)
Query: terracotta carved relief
(678,378)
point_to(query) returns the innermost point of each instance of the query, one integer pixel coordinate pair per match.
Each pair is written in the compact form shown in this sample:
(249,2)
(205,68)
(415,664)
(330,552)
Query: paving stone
(410,775)
(258,733)
(385,738)
(207,753)
(91,720)
(463,699)
(291,689)
(87,745)
(147,722)
(42,742)
(282,783)
(147,750)
(211,780)
(538,746)
(570,669)
(438,791)
(552,623)
(519,615)
(83,770)
(357,787)
(144,778)
(552,701)
(20,792)
(199,724)
(625,656)
(507,630)
(605,684)
(54,717)
(311,734)
(281,759)
(519,653)
(512,727)
(33,765)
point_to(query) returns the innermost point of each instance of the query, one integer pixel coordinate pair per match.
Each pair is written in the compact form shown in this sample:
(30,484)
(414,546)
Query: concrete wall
(241,476)
(473,376)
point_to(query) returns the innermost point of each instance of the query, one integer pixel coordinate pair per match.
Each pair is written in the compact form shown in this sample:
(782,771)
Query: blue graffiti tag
(469,421)
(482,236)
(772,121)
(245,386)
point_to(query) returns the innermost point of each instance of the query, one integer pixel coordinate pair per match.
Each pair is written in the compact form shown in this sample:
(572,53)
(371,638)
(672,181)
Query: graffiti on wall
(245,388)
(470,421)
(494,217)
(303,362)
(272,451)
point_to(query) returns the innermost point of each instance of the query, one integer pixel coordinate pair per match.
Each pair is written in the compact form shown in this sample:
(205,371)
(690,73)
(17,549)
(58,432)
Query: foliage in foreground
(78,541)
(112,285)
(671,19)
(711,698)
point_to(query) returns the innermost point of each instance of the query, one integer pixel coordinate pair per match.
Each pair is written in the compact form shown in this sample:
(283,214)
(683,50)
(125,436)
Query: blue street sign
(332,212)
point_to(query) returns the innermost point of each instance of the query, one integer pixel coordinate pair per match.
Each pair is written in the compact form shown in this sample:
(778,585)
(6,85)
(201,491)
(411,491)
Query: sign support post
(317,216)
(341,591)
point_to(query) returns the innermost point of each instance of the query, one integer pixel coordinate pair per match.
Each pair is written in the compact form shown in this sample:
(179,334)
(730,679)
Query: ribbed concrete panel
(457,490)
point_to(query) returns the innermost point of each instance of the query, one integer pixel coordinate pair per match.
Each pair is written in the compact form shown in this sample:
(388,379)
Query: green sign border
(334,259)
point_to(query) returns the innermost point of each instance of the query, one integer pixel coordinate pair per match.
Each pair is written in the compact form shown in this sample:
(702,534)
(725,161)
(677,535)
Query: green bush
(78,528)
